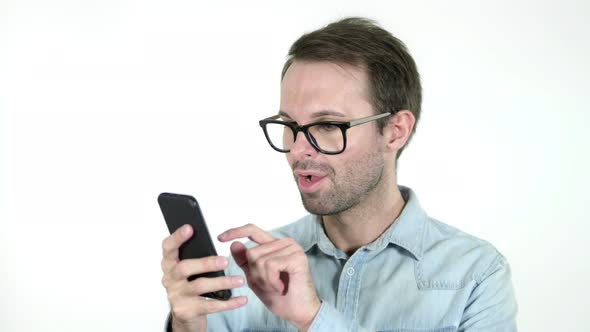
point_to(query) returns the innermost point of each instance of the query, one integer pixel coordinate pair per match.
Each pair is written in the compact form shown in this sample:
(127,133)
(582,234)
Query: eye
(327,127)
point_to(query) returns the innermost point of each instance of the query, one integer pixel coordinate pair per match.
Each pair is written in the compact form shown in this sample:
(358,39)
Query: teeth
(308,178)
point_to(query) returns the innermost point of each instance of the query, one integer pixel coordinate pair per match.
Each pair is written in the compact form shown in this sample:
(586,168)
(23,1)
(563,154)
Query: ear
(398,130)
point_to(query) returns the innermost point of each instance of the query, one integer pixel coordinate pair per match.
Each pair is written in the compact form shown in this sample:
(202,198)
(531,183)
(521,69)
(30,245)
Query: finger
(171,244)
(202,286)
(167,265)
(250,231)
(186,308)
(277,268)
(270,247)
(273,273)
(213,306)
(188,267)
(239,253)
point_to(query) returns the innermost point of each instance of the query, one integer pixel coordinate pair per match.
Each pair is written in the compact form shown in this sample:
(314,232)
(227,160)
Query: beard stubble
(349,186)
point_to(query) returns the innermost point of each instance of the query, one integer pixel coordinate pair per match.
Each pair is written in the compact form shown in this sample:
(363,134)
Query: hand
(278,273)
(189,309)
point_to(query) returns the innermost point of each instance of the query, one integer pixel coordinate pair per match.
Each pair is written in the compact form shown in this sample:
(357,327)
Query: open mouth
(309,183)
(311,178)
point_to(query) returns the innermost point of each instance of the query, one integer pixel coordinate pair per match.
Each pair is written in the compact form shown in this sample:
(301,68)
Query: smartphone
(179,210)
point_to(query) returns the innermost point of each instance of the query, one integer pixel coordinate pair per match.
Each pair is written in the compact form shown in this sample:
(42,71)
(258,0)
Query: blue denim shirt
(419,275)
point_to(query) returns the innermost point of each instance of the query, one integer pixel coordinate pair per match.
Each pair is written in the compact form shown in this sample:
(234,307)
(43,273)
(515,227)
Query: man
(367,258)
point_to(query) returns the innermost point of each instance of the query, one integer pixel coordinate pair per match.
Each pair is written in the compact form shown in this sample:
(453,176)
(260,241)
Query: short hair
(394,81)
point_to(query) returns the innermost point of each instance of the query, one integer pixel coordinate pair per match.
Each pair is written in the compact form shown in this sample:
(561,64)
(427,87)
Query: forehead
(310,87)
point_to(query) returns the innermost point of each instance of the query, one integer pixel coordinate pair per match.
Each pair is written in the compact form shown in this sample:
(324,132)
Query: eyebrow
(318,114)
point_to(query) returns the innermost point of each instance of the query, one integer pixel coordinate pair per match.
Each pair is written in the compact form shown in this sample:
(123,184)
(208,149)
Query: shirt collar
(405,232)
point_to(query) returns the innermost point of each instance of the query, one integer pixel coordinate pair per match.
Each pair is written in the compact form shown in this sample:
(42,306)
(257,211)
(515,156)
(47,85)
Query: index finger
(171,244)
(251,231)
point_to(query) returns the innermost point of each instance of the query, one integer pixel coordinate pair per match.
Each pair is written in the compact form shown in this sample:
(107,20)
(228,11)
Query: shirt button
(350,271)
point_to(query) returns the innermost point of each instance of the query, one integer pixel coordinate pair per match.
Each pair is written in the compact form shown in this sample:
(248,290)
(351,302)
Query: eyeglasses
(328,137)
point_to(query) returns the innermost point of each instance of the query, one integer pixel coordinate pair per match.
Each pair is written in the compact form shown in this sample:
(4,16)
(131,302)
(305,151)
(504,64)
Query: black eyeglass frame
(343,126)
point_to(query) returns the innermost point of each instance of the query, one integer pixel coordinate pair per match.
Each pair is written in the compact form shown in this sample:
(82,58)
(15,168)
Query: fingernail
(221,236)
(185,230)
(222,262)
(237,281)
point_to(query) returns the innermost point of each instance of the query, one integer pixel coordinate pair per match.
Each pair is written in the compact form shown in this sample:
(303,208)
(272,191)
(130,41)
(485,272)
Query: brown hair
(394,82)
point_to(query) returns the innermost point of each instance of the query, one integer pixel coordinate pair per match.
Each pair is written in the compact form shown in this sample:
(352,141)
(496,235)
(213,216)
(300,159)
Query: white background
(105,104)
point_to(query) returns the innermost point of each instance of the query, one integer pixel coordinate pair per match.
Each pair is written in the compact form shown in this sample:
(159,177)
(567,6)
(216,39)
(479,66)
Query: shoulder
(452,258)
(304,231)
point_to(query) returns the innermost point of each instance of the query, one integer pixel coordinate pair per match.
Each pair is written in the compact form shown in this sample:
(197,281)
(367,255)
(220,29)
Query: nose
(301,147)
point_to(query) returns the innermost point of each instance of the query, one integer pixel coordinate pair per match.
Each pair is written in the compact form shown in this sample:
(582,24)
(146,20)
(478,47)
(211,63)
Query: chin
(314,204)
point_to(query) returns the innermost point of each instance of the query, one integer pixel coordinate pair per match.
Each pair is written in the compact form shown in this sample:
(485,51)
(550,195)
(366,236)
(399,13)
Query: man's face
(320,91)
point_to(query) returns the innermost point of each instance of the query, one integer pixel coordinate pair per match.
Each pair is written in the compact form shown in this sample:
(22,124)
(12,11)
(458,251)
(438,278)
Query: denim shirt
(419,275)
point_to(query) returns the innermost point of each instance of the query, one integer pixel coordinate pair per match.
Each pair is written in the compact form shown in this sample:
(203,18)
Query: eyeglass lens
(325,136)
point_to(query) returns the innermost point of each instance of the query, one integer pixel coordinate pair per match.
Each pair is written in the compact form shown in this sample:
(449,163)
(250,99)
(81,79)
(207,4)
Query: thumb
(238,251)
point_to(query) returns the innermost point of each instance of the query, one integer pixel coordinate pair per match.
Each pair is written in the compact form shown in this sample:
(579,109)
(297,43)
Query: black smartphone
(179,210)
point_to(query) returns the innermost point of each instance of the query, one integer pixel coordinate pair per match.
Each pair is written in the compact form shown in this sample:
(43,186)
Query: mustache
(304,165)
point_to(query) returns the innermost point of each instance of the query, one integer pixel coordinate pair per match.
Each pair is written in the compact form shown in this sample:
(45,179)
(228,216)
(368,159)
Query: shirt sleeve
(492,305)
(329,319)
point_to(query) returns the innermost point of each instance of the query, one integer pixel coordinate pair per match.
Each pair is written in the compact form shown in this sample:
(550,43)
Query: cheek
(361,140)
(361,151)
(290,159)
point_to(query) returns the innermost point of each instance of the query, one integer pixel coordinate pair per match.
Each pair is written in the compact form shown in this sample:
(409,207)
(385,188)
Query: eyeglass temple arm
(370,118)
(352,123)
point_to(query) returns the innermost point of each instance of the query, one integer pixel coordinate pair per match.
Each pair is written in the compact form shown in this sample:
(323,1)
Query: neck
(366,221)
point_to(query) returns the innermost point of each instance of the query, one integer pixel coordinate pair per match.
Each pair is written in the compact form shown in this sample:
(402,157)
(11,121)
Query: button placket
(349,286)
